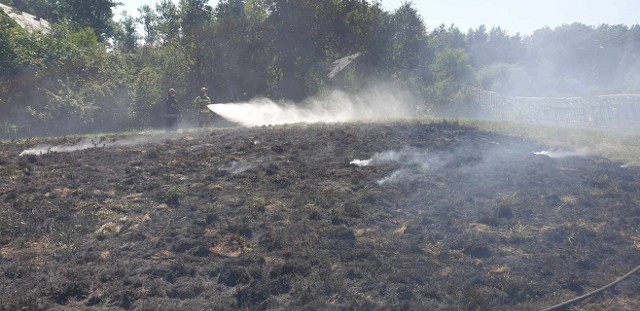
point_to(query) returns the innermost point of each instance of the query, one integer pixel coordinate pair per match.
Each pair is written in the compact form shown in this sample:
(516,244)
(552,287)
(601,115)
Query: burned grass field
(399,216)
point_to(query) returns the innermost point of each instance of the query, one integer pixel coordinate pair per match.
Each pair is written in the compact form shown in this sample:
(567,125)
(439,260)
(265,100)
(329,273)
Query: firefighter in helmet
(171,106)
(204,114)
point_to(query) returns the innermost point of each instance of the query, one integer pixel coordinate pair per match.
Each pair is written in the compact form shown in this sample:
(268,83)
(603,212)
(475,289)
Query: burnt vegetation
(356,216)
(277,218)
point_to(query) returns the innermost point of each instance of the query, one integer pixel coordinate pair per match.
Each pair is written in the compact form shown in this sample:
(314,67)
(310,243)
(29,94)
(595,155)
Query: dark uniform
(171,110)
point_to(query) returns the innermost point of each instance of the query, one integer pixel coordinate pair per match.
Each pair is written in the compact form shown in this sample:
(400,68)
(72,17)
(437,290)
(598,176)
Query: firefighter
(204,114)
(171,106)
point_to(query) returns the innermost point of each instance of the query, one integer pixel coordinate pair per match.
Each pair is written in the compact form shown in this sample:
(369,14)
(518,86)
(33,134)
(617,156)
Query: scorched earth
(365,216)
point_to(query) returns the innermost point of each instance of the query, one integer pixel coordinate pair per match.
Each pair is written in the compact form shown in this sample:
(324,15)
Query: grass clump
(520,233)
(172,195)
(507,199)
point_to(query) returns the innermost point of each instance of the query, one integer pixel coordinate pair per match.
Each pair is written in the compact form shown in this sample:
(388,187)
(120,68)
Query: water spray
(335,107)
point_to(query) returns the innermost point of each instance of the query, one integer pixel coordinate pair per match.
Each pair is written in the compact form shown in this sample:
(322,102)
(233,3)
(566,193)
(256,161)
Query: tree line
(93,72)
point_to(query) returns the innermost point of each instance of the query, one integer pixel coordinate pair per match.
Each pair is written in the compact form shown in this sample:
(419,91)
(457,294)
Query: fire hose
(566,304)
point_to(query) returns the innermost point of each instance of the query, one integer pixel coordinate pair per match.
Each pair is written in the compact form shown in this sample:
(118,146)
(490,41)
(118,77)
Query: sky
(514,16)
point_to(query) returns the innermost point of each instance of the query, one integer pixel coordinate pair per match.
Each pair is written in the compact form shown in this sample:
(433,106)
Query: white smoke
(91,143)
(560,153)
(337,106)
(358,162)
(405,156)
(414,163)
(236,167)
(395,177)
(44,149)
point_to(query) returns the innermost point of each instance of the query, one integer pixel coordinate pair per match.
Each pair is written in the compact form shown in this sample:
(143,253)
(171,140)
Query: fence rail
(619,111)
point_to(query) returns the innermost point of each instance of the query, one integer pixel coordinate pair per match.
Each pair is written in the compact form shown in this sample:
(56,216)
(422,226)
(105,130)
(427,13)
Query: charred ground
(276,217)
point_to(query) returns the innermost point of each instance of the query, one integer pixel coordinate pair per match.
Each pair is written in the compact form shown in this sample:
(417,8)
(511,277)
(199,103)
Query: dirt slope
(434,217)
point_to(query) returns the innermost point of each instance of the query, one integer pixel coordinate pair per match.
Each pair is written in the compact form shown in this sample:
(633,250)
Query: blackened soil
(444,218)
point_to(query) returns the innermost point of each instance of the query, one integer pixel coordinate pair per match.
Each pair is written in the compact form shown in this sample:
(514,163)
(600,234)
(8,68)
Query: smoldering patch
(406,156)
(44,149)
(235,167)
(397,176)
(562,153)
(413,163)
(92,143)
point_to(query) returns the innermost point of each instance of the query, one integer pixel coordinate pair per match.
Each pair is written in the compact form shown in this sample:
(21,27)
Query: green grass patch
(620,147)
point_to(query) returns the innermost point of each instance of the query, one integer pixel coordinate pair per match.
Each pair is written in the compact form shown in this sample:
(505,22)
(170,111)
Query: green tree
(400,51)
(7,62)
(149,21)
(7,55)
(442,38)
(68,82)
(307,35)
(126,37)
(168,21)
(146,97)
(95,14)
(629,69)
(240,51)
(195,23)
(297,44)
(504,48)
(504,78)
(451,69)
(478,46)
(562,60)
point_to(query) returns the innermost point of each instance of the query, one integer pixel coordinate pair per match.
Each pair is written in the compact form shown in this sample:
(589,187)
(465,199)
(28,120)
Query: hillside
(367,216)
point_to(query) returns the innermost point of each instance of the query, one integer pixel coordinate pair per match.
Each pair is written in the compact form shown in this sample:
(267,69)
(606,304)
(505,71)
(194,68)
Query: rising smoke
(414,162)
(405,156)
(375,103)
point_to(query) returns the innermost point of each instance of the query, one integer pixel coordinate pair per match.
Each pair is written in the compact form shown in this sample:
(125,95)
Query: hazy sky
(522,16)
